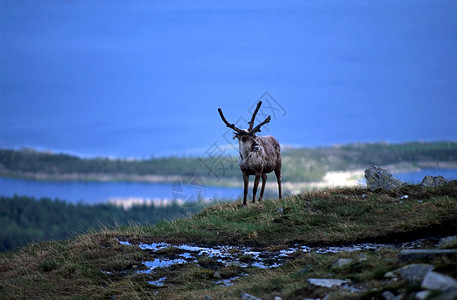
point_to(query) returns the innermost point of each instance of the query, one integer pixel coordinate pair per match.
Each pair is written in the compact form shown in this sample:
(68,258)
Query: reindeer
(258,155)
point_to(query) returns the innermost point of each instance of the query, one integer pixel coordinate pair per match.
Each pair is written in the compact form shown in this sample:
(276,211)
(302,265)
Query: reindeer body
(258,156)
(252,162)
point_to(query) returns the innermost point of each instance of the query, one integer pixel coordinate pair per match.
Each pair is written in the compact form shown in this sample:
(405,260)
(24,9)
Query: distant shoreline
(96,177)
(332,178)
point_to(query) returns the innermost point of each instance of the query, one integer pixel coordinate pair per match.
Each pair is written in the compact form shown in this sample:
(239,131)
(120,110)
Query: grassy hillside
(97,265)
(344,215)
(299,165)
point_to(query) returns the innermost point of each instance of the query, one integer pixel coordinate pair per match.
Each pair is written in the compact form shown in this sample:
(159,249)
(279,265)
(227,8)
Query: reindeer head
(247,137)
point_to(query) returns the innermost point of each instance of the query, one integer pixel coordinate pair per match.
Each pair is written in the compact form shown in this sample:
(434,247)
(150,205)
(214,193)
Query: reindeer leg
(246,184)
(264,180)
(278,179)
(256,185)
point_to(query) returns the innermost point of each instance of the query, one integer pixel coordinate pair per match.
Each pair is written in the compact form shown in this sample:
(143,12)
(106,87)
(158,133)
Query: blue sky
(145,78)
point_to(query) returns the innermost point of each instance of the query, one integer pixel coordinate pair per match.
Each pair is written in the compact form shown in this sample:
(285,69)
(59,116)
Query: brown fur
(258,155)
(259,163)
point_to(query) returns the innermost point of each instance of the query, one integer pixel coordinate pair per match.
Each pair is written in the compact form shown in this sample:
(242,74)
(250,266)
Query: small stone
(399,297)
(390,275)
(438,281)
(277,298)
(328,283)
(217,275)
(422,295)
(388,295)
(246,296)
(341,262)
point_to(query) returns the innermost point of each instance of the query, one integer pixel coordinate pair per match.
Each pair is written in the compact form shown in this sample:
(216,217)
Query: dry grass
(67,268)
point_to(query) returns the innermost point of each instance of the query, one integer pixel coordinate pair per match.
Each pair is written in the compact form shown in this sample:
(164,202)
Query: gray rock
(439,282)
(433,181)
(448,242)
(341,262)
(362,257)
(390,275)
(246,296)
(423,295)
(328,283)
(378,178)
(388,295)
(414,271)
(415,254)
(399,297)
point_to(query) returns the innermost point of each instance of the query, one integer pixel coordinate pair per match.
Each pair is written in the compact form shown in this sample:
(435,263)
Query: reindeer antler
(251,130)
(257,128)
(232,126)
(251,124)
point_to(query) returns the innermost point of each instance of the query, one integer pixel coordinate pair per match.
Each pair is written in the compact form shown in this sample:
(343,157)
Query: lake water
(417,176)
(99,192)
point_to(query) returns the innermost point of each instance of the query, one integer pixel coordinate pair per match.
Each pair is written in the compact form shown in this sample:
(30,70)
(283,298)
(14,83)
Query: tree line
(300,164)
(25,220)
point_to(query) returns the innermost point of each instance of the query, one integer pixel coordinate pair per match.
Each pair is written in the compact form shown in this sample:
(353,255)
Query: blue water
(417,176)
(145,78)
(98,192)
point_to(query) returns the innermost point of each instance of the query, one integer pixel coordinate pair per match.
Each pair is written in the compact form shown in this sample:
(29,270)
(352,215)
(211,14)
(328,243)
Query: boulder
(448,242)
(414,271)
(433,181)
(415,254)
(378,178)
(439,282)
